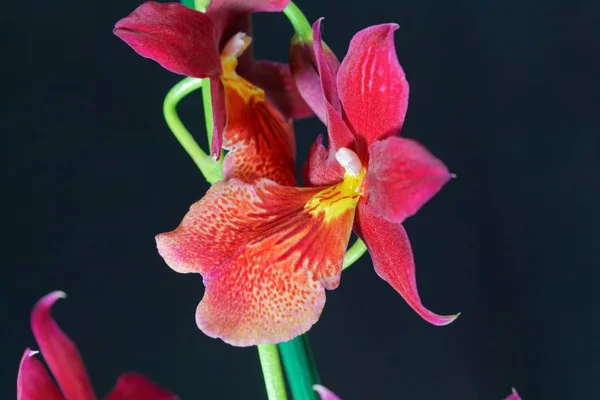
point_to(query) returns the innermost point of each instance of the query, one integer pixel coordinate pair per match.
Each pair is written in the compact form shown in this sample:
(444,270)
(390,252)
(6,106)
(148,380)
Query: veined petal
(60,353)
(33,381)
(393,260)
(133,386)
(266,252)
(325,393)
(372,85)
(303,65)
(339,133)
(260,141)
(276,80)
(402,176)
(180,39)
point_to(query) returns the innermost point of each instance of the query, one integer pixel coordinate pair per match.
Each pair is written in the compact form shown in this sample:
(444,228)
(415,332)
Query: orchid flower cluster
(266,247)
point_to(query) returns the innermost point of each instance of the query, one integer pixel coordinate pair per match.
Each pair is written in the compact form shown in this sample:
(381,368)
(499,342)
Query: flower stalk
(271,367)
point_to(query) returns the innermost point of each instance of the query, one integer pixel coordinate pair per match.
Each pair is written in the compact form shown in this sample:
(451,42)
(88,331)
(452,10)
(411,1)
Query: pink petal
(393,260)
(514,395)
(321,167)
(276,80)
(180,39)
(266,255)
(133,386)
(401,177)
(372,85)
(59,352)
(325,393)
(306,76)
(33,381)
(339,133)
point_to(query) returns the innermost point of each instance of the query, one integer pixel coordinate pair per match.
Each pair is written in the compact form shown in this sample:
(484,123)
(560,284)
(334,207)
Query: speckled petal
(33,381)
(133,386)
(372,85)
(393,260)
(325,393)
(267,252)
(259,140)
(402,176)
(59,351)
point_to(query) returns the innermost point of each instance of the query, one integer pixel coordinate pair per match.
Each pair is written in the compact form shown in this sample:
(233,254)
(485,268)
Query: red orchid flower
(267,252)
(63,359)
(208,45)
(327,394)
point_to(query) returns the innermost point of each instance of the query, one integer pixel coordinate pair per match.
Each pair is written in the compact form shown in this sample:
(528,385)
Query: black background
(505,92)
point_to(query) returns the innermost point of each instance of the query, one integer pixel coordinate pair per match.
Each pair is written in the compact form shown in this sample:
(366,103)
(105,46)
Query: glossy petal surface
(132,386)
(33,381)
(276,80)
(372,85)
(266,252)
(393,261)
(325,393)
(59,352)
(402,176)
(180,39)
(260,141)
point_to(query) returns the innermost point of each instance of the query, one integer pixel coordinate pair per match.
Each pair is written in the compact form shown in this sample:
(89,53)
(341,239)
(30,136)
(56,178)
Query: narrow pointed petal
(266,252)
(219,113)
(325,393)
(33,381)
(339,133)
(514,395)
(276,80)
(133,386)
(393,260)
(180,39)
(402,176)
(260,142)
(60,353)
(305,72)
(372,85)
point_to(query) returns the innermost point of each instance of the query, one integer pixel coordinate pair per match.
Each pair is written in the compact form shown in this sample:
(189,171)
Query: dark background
(505,92)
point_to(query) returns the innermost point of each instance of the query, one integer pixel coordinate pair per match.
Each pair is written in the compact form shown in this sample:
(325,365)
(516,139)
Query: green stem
(299,22)
(300,368)
(271,368)
(211,170)
(200,5)
(354,253)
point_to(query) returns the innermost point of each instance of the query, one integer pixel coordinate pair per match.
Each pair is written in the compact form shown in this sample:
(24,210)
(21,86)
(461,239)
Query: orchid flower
(63,359)
(327,394)
(267,252)
(246,107)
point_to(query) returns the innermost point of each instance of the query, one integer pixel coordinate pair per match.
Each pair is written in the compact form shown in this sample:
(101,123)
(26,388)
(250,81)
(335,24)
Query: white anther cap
(349,160)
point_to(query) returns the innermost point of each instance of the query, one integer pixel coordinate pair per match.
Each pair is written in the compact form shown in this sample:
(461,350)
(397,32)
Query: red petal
(59,351)
(401,177)
(306,76)
(276,80)
(33,381)
(321,168)
(133,386)
(339,134)
(260,141)
(372,85)
(266,257)
(180,39)
(219,113)
(325,393)
(393,260)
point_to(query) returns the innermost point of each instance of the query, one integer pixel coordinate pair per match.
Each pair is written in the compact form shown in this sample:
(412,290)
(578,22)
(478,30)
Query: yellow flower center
(234,48)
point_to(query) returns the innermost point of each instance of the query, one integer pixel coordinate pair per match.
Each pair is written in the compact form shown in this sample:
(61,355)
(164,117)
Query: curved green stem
(211,170)
(354,253)
(299,22)
(271,367)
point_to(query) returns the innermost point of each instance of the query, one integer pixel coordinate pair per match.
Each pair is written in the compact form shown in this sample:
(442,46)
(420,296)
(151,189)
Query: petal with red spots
(266,252)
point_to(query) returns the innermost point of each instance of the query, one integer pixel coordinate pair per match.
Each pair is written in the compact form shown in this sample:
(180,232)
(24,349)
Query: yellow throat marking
(336,200)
